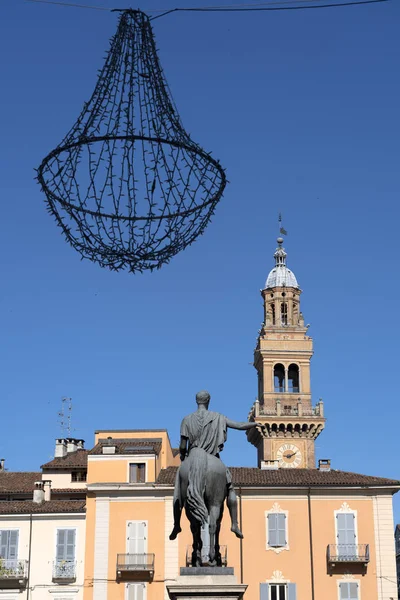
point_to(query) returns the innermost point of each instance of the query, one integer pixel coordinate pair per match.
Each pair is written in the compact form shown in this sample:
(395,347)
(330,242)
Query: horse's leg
(214,515)
(197,543)
(218,556)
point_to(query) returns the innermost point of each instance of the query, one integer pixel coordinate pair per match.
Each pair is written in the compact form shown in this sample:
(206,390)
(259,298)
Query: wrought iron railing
(13,569)
(205,555)
(345,553)
(64,569)
(135,562)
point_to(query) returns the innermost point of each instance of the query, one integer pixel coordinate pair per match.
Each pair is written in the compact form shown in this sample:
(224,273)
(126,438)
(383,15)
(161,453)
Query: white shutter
(292,594)
(9,544)
(3,543)
(348,590)
(13,544)
(136,591)
(137,537)
(65,544)
(61,534)
(70,544)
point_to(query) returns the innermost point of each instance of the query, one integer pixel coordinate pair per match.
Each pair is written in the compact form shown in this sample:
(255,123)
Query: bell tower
(282,360)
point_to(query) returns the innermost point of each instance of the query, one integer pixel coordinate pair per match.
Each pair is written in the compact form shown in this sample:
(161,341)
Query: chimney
(61,449)
(38,493)
(47,490)
(81,444)
(324,464)
(72,445)
(1,465)
(109,448)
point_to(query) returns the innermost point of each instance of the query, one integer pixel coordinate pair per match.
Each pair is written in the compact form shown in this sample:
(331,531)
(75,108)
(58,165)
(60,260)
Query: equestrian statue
(203,482)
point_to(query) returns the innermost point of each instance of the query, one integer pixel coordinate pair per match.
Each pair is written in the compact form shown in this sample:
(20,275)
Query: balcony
(64,571)
(348,553)
(135,567)
(204,556)
(13,573)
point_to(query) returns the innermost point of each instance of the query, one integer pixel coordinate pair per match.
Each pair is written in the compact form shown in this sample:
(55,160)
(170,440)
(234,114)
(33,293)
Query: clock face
(289,456)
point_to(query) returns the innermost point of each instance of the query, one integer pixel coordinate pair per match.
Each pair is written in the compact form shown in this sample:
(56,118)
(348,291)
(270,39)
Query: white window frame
(277,549)
(76,549)
(137,462)
(348,579)
(277,583)
(345,508)
(19,537)
(136,583)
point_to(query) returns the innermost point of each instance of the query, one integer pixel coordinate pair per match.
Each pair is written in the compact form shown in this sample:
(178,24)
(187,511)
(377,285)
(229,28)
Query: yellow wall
(108,469)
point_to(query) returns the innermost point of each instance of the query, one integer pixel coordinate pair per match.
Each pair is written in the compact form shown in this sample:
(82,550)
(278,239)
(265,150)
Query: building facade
(311,532)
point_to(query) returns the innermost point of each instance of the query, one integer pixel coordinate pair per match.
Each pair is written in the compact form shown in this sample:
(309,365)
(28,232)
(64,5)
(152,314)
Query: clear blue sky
(302,109)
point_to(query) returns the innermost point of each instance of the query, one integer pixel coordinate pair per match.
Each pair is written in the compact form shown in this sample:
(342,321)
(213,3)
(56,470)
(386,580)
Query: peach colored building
(311,533)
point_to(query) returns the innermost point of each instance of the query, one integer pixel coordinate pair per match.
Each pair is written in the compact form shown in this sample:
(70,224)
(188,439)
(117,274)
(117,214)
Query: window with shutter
(136,591)
(346,535)
(348,590)
(9,544)
(65,544)
(137,537)
(277,530)
(137,473)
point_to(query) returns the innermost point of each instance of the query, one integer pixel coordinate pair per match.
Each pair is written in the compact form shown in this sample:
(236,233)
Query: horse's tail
(197,484)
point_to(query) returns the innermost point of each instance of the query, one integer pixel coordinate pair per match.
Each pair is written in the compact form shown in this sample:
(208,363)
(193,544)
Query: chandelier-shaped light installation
(127,185)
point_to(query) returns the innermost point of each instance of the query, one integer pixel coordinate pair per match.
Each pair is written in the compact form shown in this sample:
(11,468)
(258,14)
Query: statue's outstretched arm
(242,426)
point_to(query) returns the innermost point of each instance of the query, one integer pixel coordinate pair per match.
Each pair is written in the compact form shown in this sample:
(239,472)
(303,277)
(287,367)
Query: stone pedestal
(207,583)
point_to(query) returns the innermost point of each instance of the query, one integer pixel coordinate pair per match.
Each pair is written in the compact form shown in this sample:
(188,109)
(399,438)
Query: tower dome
(281,276)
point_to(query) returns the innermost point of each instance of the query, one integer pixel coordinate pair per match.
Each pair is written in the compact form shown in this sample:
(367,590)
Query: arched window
(273,314)
(284,313)
(279,378)
(293,379)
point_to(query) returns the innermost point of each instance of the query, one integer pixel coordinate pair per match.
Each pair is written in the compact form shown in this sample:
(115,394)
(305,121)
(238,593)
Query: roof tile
(77,459)
(52,506)
(247,476)
(18,481)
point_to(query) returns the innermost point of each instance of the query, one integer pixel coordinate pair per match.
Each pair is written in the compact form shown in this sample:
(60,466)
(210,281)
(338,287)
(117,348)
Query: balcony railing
(205,555)
(64,570)
(13,570)
(348,553)
(294,411)
(131,565)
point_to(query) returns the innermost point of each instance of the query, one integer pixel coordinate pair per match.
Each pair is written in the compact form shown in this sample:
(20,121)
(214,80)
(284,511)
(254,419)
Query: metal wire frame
(127,185)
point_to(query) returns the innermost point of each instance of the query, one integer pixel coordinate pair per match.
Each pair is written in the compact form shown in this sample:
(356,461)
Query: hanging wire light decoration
(127,185)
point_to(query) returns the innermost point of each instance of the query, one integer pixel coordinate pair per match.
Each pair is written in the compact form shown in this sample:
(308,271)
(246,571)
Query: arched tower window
(293,379)
(279,378)
(273,318)
(284,313)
